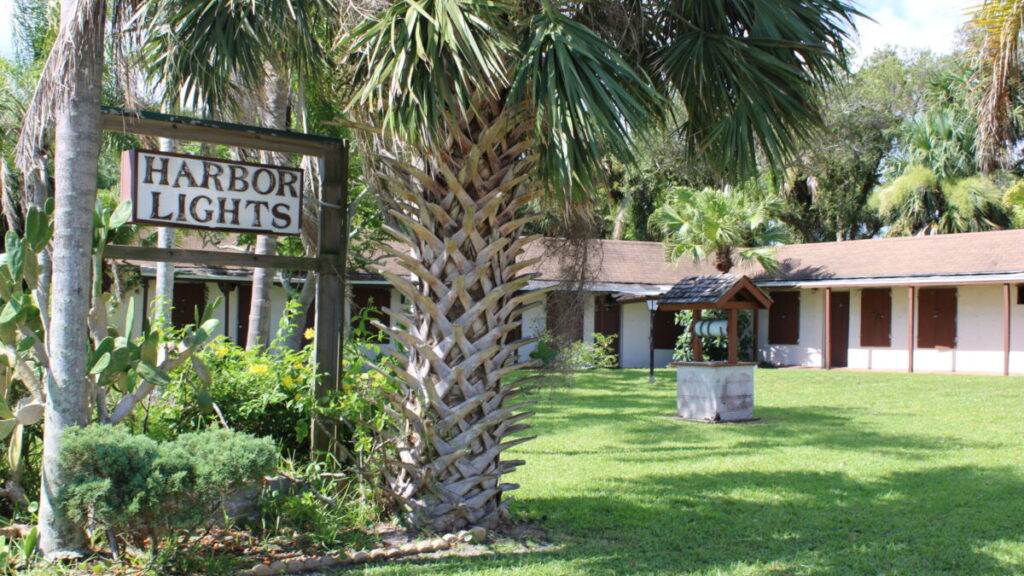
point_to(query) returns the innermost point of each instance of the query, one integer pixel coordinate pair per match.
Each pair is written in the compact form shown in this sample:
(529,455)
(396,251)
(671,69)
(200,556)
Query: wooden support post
(698,350)
(734,355)
(330,288)
(1006,329)
(826,360)
(910,329)
(757,328)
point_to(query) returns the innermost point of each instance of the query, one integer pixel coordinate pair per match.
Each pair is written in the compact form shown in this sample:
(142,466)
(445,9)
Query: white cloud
(927,24)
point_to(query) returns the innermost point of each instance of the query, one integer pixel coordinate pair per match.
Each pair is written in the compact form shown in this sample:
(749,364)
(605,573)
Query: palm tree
(68,96)
(491,108)
(922,202)
(996,27)
(938,190)
(734,224)
(255,54)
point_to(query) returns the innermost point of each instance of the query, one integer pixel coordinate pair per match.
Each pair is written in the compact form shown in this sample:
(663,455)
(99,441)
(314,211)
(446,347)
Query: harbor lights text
(209,193)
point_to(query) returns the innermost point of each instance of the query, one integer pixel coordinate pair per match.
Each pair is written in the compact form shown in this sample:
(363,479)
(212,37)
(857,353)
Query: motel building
(947,303)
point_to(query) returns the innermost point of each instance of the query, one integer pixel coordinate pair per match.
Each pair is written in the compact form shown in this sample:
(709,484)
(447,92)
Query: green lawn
(846,473)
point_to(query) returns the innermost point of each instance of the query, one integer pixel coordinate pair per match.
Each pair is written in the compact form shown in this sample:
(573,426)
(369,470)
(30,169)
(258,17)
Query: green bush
(136,485)
(270,392)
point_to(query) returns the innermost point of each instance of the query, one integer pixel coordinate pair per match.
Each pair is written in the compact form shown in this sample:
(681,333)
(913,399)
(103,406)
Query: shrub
(270,392)
(136,485)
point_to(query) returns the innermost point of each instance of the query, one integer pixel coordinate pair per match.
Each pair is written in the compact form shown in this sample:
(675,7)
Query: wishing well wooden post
(330,289)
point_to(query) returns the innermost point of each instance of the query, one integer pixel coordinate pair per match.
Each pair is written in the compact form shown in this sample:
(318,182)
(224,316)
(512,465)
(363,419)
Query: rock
(475,534)
(451,539)
(261,570)
(377,554)
(393,553)
(424,547)
(278,567)
(359,557)
(408,548)
(440,544)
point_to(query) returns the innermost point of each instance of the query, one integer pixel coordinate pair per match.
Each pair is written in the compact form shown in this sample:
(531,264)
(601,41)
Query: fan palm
(496,105)
(922,202)
(726,225)
(937,190)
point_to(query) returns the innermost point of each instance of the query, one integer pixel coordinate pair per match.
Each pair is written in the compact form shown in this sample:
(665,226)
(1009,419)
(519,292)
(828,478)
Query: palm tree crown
(726,225)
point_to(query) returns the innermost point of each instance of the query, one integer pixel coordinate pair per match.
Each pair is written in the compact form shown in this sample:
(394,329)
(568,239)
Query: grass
(846,474)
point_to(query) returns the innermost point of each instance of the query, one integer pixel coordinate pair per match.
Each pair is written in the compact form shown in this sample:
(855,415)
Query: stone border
(333,559)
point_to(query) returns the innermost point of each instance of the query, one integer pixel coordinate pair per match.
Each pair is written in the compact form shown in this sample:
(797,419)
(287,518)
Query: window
(666,331)
(936,318)
(1020,293)
(784,318)
(876,317)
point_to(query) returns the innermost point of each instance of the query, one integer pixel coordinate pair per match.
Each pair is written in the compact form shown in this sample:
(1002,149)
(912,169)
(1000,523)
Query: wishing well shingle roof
(701,289)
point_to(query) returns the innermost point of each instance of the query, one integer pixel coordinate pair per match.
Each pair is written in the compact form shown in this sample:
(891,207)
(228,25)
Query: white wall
(636,334)
(979,346)
(534,324)
(807,350)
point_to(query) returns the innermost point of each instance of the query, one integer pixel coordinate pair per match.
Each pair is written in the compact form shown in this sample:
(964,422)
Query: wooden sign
(182,191)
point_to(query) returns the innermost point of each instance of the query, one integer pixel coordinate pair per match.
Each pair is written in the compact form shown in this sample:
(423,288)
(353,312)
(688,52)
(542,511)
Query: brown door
(608,321)
(840,333)
(189,301)
(242,322)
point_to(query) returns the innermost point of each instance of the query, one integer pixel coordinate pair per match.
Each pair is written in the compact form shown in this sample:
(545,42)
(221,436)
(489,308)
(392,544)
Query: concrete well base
(715,391)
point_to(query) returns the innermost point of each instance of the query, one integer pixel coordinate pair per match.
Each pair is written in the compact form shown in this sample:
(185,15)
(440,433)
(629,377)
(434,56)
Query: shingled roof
(714,291)
(970,257)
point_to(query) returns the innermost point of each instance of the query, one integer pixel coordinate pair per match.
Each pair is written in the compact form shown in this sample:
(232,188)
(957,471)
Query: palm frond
(421,64)
(749,73)
(997,26)
(206,52)
(589,101)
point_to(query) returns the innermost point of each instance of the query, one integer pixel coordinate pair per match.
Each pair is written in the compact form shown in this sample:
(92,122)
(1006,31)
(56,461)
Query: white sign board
(212,194)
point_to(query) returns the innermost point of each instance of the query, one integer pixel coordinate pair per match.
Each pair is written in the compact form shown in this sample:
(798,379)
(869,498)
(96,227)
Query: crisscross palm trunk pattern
(462,207)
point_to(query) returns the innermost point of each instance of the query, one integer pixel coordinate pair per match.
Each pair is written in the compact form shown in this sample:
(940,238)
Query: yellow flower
(287,381)
(309,333)
(220,351)
(298,365)
(259,369)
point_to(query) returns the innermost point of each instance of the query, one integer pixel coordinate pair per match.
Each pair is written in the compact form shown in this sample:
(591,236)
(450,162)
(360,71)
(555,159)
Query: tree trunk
(78,135)
(619,225)
(274,114)
(462,217)
(259,308)
(164,293)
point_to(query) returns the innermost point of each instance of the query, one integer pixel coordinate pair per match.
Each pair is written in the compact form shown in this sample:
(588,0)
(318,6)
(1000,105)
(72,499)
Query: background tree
(826,190)
(504,103)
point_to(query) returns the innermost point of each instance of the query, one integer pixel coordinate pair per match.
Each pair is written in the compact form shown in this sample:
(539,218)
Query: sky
(923,24)
(929,24)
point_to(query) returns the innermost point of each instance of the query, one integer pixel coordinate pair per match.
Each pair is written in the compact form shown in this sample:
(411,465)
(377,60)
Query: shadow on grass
(933,522)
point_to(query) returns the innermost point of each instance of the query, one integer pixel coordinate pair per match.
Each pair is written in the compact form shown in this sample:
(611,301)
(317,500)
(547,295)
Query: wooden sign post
(205,193)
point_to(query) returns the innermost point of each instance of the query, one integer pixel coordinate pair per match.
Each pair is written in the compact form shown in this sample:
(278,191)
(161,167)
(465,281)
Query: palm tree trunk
(259,308)
(274,112)
(78,135)
(164,297)
(462,215)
